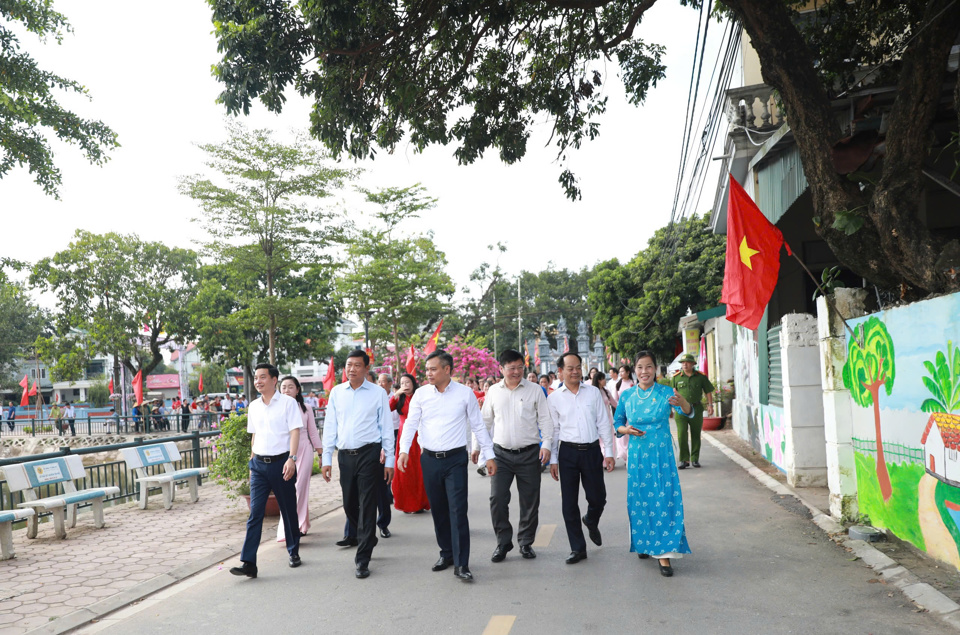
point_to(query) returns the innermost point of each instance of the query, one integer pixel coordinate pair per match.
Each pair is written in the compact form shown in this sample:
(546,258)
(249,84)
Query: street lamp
(366,327)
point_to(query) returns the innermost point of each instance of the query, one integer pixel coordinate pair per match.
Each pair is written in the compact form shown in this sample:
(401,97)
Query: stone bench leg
(58,522)
(71,516)
(98,513)
(168,490)
(144,493)
(194,492)
(32,523)
(6,541)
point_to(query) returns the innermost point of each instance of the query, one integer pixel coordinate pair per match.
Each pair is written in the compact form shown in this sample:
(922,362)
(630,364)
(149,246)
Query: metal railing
(113,473)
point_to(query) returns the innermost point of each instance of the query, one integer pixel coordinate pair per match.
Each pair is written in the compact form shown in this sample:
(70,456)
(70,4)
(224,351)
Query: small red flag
(373,359)
(24,382)
(753,259)
(138,387)
(526,354)
(200,385)
(33,391)
(329,378)
(411,360)
(343,378)
(432,342)
(566,344)
(24,400)
(110,386)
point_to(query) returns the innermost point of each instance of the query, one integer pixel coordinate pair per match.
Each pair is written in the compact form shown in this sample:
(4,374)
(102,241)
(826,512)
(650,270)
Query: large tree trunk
(893,246)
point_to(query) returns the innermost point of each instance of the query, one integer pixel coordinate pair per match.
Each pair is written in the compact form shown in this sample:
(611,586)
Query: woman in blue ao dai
(654,501)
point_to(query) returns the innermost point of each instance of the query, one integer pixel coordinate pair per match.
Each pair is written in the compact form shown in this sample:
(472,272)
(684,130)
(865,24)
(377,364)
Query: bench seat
(7,518)
(161,454)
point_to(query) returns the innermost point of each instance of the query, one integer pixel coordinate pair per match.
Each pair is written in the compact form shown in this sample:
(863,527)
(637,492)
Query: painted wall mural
(903,370)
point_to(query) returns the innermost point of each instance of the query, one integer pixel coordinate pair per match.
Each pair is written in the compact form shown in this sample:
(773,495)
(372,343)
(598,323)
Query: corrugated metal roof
(781,182)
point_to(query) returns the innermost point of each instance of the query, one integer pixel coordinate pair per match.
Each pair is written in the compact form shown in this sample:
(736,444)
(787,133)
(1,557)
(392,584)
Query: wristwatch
(293,457)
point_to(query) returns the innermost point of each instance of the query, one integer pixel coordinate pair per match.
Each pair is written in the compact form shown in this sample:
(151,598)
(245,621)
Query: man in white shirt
(580,419)
(70,415)
(274,421)
(226,404)
(311,400)
(515,412)
(359,426)
(440,411)
(559,380)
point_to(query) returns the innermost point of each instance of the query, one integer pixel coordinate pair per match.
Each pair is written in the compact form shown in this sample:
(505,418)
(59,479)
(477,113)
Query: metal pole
(519,320)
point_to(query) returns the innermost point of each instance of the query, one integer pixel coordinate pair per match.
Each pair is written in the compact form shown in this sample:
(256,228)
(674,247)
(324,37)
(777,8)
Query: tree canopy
(21,323)
(29,110)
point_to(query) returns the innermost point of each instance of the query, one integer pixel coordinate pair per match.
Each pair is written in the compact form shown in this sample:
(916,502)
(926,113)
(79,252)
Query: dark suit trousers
(578,466)
(264,478)
(359,473)
(384,509)
(445,481)
(525,467)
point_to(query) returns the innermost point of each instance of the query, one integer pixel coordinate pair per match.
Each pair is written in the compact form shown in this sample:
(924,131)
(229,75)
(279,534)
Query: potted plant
(230,467)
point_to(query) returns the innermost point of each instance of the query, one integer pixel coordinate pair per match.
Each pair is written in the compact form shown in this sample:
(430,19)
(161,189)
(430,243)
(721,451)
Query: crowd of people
(409,449)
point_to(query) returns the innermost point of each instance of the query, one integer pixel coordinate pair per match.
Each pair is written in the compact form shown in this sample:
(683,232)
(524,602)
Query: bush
(231,467)
(98,394)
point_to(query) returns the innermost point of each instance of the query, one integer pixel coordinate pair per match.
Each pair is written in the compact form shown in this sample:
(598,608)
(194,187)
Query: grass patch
(900,514)
(948,493)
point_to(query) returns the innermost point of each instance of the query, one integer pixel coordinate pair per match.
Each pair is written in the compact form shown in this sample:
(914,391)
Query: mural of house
(940,442)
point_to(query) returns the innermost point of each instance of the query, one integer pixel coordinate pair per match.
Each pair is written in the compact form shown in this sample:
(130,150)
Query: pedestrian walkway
(59,584)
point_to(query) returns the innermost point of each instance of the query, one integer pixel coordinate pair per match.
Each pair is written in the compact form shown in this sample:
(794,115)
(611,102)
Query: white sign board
(48,472)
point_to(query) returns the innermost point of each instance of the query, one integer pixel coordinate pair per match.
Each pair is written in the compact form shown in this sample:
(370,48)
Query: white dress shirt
(580,417)
(443,419)
(271,423)
(395,413)
(517,418)
(356,418)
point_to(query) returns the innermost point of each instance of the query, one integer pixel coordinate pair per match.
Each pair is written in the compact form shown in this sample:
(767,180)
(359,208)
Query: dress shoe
(482,470)
(463,573)
(682,465)
(348,542)
(594,532)
(294,561)
(527,552)
(247,569)
(666,570)
(643,556)
(501,552)
(575,557)
(385,533)
(363,571)
(696,464)
(442,564)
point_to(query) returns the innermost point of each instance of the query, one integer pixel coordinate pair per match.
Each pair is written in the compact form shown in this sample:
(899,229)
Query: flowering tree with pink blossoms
(468,360)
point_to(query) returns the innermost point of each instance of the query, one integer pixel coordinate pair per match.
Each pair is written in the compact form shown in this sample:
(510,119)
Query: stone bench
(165,454)
(29,477)
(7,518)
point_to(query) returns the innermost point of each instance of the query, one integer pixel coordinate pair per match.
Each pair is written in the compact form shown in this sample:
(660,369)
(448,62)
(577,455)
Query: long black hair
(299,397)
(629,372)
(402,399)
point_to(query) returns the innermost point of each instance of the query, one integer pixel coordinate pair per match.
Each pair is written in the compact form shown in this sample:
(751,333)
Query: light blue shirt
(356,418)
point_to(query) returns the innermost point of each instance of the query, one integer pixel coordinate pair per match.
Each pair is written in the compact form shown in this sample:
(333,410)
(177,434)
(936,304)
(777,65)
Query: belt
(271,459)
(582,446)
(358,450)
(526,448)
(445,453)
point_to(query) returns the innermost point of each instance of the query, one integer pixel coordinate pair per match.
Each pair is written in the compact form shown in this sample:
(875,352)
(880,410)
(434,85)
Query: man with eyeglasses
(516,414)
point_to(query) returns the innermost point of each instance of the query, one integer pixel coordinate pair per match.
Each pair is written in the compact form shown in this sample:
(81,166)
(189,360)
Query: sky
(147,70)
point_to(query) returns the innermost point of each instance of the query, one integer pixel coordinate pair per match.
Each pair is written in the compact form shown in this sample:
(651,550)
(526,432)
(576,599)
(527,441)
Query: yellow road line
(544,535)
(500,625)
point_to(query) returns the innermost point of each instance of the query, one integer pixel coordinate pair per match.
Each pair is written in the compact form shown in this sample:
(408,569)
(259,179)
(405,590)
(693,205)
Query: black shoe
(247,569)
(594,532)
(294,561)
(463,573)
(643,556)
(575,557)
(666,570)
(482,470)
(363,571)
(385,533)
(501,552)
(696,464)
(442,564)
(348,542)
(682,465)
(527,552)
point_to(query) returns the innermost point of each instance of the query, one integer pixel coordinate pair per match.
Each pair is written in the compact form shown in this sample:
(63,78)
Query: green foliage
(638,305)
(830,280)
(943,381)
(116,294)
(98,394)
(29,110)
(900,515)
(943,493)
(848,221)
(232,451)
(21,322)
(214,379)
(870,362)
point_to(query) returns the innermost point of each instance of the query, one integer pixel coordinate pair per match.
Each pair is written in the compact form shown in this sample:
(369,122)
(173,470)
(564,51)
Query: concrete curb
(138,592)
(920,593)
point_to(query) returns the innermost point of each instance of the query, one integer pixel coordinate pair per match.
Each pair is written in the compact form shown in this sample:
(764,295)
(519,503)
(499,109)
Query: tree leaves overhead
(475,73)
(29,111)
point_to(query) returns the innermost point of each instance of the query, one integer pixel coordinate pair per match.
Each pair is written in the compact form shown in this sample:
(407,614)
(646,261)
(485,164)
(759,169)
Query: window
(952,454)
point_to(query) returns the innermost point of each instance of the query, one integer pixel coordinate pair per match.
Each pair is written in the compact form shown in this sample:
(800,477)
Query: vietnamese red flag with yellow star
(753,259)
(432,342)
(411,360)
(330,378)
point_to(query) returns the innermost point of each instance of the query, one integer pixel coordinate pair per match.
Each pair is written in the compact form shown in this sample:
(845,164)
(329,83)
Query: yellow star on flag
(746,253)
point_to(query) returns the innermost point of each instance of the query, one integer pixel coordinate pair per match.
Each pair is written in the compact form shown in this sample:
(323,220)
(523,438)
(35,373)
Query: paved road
(758,566)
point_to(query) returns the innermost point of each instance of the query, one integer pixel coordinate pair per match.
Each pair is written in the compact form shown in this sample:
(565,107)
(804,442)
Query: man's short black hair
(446,359)
(359,353)
(560,359)
(270,369)
(508,356)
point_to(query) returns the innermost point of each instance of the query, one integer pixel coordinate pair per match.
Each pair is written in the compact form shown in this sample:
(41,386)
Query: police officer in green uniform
(692,385)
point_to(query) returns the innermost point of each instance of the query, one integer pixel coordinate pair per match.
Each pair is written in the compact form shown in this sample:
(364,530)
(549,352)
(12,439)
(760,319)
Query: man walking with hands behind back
(580,419)
(516,412)
(274,421)
(441,411)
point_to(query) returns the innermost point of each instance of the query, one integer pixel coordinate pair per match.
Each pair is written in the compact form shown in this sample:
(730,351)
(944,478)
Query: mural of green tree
(870,366)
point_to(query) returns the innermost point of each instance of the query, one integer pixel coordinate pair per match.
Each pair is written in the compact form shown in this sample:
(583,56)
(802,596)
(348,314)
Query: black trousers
(581,466)
(360,470)
(525,468)
(445,481)
(384,509)
(264,478)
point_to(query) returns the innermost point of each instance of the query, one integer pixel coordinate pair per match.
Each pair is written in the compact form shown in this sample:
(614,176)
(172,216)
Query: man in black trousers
(580,419)
(358,424)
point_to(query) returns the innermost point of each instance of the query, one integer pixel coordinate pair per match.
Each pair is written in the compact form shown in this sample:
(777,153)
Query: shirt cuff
(327,457)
